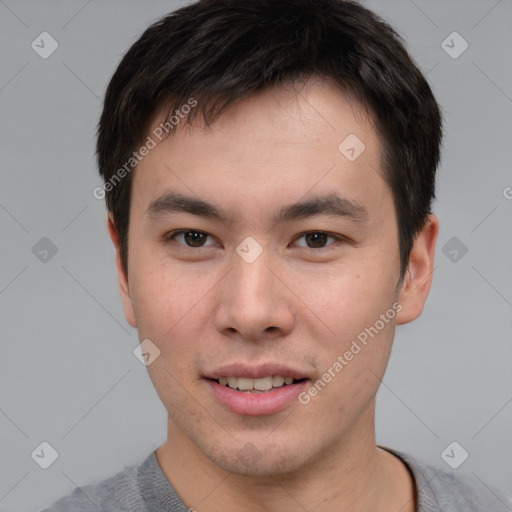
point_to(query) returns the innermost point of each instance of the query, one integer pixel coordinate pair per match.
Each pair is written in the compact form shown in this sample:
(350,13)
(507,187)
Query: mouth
(259,390)
(258,385)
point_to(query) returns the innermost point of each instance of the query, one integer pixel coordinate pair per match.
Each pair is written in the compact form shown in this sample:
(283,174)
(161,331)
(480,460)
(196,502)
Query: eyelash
(170,237)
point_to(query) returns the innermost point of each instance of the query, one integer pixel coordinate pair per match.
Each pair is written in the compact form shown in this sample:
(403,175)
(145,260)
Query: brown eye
(189,238)
(194,238)
(316,239)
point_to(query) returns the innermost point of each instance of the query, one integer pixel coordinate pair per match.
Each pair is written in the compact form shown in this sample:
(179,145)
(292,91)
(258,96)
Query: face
(260,253)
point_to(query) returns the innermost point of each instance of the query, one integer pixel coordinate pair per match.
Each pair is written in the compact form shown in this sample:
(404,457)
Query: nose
(255,303)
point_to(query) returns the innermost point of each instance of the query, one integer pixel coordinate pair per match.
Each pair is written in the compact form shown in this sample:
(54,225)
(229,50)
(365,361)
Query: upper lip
(256,371)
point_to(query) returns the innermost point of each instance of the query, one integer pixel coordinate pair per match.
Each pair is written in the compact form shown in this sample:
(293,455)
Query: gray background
(68,375)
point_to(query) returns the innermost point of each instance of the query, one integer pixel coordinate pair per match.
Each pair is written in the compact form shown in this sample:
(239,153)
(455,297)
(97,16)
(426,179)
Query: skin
(303,306)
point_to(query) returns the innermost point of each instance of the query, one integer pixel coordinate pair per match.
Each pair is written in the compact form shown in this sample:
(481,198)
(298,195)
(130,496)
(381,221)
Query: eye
(317,239)
(194,239)
(189,238)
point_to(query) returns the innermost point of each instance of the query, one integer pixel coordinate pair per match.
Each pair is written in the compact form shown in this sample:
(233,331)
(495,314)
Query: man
(269,169)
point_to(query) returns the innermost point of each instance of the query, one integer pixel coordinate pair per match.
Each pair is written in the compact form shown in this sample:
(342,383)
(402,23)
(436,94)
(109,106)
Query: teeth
(260,384)
(245,384)
(277,381)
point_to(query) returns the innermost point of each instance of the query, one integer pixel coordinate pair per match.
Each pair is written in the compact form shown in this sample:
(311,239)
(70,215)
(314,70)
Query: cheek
(348,298)
(350,301)
(352,374)
(164,298)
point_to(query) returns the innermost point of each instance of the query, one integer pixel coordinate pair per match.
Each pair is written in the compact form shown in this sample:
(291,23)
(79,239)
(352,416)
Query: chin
(265,467)
(258,459)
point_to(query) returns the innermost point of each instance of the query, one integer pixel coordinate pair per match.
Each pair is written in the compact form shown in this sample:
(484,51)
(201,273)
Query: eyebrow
(330,204)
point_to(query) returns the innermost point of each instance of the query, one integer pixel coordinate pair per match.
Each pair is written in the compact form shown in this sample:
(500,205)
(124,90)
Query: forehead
(315,104)
(278,144)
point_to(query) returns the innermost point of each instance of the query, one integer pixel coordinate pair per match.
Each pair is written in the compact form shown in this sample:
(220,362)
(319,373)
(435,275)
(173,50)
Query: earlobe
(418,278)
(121,274)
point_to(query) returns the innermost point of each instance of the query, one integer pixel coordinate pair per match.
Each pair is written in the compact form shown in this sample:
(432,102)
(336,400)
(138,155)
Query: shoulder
(118,493)
(443,491)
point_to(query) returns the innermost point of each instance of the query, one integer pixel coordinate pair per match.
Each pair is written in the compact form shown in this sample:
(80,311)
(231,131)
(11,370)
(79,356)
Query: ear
(121,275)
(418,277)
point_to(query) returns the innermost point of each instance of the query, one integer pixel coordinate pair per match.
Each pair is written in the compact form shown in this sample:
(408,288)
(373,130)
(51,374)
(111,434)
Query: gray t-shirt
(145,488)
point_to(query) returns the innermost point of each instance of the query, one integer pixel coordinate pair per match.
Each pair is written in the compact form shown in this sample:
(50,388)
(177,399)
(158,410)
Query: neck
(352,475)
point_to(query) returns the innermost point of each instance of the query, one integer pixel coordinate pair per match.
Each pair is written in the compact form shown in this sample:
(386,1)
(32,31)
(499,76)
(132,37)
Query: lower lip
(257,404)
